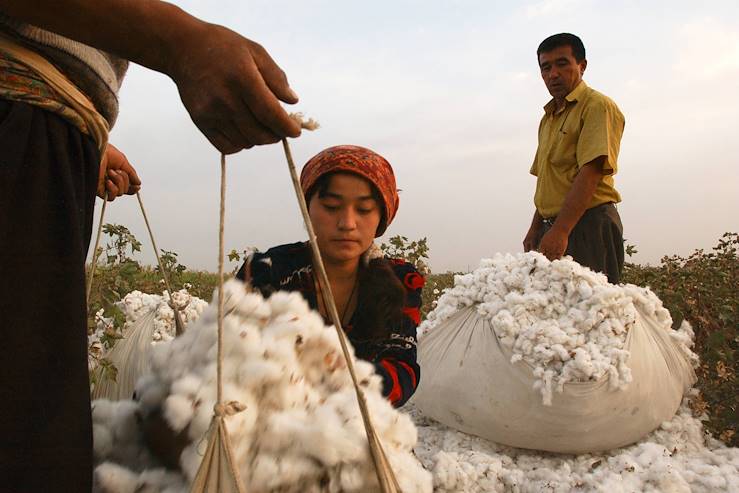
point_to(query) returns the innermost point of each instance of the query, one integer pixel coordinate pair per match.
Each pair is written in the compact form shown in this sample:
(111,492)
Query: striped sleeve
(396,359)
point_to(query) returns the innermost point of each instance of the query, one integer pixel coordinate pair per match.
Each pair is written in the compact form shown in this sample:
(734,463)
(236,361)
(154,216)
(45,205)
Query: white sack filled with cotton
(550,356)
(135,305)
(300,429)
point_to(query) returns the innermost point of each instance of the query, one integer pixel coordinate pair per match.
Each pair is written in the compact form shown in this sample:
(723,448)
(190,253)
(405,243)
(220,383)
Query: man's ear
(583,65)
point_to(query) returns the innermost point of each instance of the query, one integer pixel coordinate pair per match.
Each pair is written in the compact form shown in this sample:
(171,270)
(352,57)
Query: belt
(549,221)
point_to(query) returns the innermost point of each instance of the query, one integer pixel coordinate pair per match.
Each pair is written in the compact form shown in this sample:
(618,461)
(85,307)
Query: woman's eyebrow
(338,196)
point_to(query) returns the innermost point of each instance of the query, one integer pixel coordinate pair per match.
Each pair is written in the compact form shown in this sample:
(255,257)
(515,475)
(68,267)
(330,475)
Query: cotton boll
(150,393)
(102,411)
(124,423)
(102,440)
(192,457)
(178,411)
(112,478)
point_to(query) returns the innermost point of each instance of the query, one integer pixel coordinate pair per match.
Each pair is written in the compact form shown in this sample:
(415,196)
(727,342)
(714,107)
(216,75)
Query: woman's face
(345,218)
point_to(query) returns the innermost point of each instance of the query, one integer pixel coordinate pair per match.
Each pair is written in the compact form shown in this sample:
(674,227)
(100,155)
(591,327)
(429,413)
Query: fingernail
(292,93)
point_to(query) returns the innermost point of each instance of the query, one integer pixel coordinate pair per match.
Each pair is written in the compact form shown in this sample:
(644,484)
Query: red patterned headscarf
(360,161)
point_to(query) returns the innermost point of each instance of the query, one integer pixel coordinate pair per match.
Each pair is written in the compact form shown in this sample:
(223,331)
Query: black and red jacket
(290,268)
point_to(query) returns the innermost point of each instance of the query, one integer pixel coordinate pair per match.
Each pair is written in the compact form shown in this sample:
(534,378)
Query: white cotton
(178,411)
(102,440)
(677,457)
(135,305)
(297,427)
(112,478)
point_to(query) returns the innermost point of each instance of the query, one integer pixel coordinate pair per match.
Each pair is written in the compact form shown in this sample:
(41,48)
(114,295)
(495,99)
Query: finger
(133,177)
(121,181)
(267,109)
(112,190)
(273,75)
(219,140)
(253,131)
(233,135)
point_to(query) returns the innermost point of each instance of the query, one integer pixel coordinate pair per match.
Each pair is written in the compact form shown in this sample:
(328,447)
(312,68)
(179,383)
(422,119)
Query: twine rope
(95,252)
(385,476)
(179,326)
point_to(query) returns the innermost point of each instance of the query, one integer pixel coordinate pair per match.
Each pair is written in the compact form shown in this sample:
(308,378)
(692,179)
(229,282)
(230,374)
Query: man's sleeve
(602,128)
(534,166)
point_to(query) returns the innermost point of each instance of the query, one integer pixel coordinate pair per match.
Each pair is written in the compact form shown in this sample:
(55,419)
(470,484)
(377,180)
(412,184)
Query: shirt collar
(572,97)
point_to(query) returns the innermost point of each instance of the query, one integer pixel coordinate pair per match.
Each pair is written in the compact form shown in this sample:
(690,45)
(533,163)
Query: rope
(385,475)
(95,252)
(179,326)
(219,374)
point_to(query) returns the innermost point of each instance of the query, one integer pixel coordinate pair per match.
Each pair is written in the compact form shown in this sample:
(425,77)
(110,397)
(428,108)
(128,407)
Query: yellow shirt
(589,126)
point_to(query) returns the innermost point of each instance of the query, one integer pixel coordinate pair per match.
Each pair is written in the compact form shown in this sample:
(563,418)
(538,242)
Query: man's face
(560,71)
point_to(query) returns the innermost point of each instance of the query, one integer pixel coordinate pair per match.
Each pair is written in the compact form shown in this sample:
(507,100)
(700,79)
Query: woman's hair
(321,188)
(380,302)
(381,296)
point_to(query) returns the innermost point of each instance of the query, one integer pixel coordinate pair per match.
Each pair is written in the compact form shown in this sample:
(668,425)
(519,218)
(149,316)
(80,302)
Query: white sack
(473,381)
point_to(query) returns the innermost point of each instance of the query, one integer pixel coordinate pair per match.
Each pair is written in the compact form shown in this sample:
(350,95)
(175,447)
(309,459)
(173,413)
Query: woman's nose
(347,220)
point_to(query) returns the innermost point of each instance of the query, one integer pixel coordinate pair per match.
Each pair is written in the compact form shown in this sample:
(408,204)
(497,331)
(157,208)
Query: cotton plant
(561,318)
(677,457)
(297,425)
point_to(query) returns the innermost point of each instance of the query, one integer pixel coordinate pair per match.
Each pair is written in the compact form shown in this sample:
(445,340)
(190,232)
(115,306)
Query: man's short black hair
(563,39)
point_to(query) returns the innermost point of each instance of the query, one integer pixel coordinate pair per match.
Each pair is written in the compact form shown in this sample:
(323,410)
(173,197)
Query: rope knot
(228,409)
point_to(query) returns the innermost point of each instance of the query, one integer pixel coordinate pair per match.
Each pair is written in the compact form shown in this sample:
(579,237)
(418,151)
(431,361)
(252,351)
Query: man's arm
(229,84)
(554,242)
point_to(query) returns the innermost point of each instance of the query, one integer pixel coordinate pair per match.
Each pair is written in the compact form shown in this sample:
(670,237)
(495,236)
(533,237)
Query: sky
(450,93)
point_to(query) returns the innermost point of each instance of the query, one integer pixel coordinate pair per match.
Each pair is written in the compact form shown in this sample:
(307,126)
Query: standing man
(579,139)
(61,65)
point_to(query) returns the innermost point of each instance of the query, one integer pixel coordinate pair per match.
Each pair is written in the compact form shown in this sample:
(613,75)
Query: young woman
(352,198)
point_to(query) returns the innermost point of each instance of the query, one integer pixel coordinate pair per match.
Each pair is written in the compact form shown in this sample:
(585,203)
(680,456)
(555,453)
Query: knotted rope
(217,472)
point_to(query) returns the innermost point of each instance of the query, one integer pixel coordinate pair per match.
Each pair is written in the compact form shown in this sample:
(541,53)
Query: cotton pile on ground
(565,320)
(136,304)
(678,457)
(300,429)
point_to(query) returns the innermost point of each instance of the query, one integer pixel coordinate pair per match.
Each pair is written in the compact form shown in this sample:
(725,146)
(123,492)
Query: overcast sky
(450,93)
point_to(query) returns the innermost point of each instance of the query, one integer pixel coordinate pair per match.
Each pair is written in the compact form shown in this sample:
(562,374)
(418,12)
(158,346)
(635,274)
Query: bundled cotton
(563,319)
(677,457)
(299,427)
(136,304)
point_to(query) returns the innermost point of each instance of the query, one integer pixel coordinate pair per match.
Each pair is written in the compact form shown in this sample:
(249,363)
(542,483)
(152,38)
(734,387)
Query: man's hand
(117,176)
(230,85)
(232,89)
(554,243)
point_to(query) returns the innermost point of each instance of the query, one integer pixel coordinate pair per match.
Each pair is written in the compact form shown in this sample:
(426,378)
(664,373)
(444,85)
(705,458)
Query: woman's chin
(342,253)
